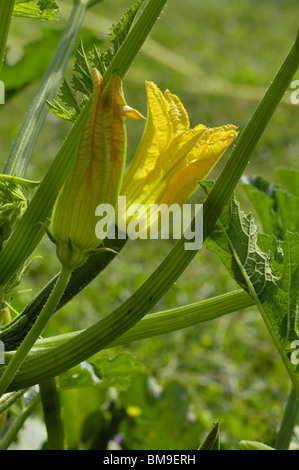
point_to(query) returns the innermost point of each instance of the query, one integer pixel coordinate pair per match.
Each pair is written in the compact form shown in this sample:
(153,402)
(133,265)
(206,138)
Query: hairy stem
(13,366)
(50,397)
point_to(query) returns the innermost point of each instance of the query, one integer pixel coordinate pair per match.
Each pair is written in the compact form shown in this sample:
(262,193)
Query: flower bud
(96,175)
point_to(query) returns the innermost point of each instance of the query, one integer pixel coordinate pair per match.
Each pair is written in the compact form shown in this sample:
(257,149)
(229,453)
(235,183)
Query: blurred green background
(219,58)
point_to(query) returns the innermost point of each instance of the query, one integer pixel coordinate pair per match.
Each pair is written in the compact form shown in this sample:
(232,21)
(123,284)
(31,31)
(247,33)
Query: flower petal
(177,113)
(198,164)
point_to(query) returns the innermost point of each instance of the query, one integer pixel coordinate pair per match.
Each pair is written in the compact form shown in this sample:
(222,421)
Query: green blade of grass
(24,143)
(6,9)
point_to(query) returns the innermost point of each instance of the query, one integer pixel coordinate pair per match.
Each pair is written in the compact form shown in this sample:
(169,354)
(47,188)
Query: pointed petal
(177,113)
(199,163)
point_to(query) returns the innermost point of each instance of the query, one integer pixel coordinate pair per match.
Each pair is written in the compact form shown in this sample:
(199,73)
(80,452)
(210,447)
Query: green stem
(18,423)
(6,9)
(161,323)
(13,366)
(24,143)
(135,39)
(91,3)
(288,424)
(50,396)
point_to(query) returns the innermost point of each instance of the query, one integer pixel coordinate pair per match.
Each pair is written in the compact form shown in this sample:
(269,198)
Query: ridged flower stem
(36,330)
(51,402)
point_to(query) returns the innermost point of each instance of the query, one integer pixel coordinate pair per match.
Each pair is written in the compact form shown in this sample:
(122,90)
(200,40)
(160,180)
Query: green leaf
(212,441)
(268,269)
(57,108)
(288,210)
(82,78)
(253,445)
(43,9)
(66,105)
(289,178)
(106,372)
(12,203)
(118,371)
(118,32)
(154,415)
(262,196)
(80,376)
(277,208)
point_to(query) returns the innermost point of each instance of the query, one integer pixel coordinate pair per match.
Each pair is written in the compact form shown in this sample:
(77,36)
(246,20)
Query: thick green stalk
(28,232)
(289,422)
(91,3)
(35,331)
(21,151)
(50,397)
(6,9)
(135,39)
(114,325)
(161,323)
(18,423)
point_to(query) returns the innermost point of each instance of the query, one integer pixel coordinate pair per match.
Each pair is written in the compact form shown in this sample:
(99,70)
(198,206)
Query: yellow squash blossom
(97,172)
(170,159)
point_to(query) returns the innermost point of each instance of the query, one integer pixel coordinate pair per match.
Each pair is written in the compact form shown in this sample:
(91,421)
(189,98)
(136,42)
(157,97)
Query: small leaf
(43,9)
(66,105)
(288,210)
(12,202)
(212,441)
(82,76)
(278,209)
(117,371)
(118,32)
(105,372)
(60,111)
(262,196)
(253,445)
